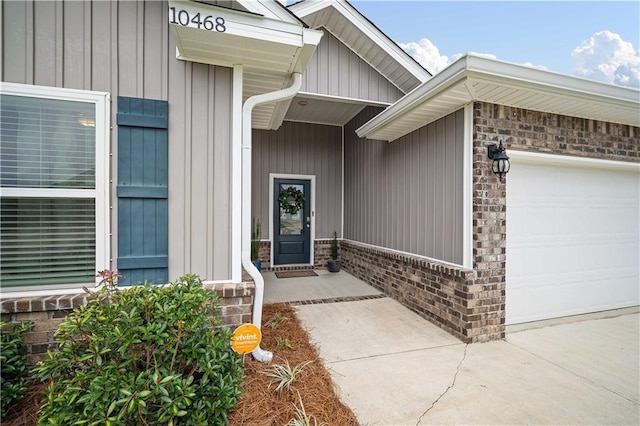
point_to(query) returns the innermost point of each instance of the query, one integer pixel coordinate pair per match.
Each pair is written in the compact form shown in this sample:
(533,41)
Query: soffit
(365,39)
(473,78)
(312,108)
(269,50)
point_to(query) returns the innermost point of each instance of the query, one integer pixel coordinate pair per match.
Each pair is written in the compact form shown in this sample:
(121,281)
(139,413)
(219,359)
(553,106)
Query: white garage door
(573,237)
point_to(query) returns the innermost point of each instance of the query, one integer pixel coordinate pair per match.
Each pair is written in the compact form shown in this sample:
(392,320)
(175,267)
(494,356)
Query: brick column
(487,307)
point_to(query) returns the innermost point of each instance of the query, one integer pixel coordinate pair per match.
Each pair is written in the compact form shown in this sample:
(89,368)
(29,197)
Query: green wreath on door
(291,200)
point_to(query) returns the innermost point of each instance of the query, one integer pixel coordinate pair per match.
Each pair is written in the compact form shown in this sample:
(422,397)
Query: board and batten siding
(337,71)
(300,149)
(407,195)
(125,48)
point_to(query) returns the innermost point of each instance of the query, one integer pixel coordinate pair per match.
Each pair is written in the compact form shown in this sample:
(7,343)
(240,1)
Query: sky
(589,39)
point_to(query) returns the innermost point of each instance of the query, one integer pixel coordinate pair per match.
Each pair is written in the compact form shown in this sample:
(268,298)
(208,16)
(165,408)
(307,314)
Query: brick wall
(534,131)
(321,255)
(471,303)
(48,312)
(446,295)
(531,131)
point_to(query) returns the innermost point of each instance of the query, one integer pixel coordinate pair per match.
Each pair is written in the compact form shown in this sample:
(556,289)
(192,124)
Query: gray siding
(305,149)
(336,70)
(407,195)
(125,48)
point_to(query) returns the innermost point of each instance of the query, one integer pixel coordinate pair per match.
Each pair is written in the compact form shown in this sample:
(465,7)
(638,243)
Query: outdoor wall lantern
(500,159)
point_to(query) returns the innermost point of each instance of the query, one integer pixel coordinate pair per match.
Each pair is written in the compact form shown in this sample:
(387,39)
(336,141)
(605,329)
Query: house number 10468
(182,17)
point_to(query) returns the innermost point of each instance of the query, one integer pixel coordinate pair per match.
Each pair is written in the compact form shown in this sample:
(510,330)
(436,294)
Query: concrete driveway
(394,368)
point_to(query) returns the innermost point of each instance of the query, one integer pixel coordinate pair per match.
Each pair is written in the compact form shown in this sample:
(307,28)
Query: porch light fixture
(500,159)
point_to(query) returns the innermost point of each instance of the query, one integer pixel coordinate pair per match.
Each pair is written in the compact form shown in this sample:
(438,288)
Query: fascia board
(535,78)
(382,40)
(551,89)
(279,112)
(310,41)
(272,9)
(309,7)
(474,68)
(265,8)
(450,76)
(244,24)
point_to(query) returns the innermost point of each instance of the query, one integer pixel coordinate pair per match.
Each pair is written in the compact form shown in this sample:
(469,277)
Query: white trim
(312,179)
(47,192)
(570,161)
(218,282)
(467,188)
(320,123)
(269,9)
(342,189)
(48,92)
(404,253)
(37,293)
(573,91)
(103,195)
(343,99)
(239,24)
(236,174)
(100,194)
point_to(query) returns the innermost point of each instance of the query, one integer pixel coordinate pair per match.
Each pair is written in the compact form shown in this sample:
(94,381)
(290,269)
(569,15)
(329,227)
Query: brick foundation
(321,255)
(47,313)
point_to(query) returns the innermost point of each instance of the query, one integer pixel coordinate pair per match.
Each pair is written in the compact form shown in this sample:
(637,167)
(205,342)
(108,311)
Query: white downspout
(247,109)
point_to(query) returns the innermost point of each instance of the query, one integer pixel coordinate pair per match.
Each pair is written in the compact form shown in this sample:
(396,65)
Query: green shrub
(334,246)
(13,364)
(143,355)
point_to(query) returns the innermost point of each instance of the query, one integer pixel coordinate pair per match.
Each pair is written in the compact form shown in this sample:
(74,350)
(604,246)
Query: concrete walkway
(392,367)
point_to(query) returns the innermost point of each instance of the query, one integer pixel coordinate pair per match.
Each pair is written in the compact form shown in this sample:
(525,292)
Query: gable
(336,70)
(347,24)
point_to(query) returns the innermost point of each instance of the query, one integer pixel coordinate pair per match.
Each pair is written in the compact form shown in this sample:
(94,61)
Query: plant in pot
(334,265)
(255,243)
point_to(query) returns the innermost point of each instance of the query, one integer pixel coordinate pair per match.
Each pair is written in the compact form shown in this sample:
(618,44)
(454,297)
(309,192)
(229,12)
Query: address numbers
(209,22)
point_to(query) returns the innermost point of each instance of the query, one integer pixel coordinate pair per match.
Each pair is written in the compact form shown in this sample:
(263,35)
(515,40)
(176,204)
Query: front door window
(291,224)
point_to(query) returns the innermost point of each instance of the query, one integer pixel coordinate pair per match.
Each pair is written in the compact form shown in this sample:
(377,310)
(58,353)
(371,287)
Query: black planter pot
(333,266)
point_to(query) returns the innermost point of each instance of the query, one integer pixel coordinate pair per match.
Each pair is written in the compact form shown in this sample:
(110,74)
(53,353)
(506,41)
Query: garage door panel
(531,301)
(573,240)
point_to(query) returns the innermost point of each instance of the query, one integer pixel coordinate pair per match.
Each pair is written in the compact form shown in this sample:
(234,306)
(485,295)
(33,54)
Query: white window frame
(102,102)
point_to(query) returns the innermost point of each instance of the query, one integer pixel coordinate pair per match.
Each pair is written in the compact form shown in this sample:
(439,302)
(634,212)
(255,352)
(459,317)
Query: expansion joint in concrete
(453,383)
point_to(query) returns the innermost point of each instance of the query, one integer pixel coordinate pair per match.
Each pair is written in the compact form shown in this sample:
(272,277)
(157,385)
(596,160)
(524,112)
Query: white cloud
(428,55)
(606,57)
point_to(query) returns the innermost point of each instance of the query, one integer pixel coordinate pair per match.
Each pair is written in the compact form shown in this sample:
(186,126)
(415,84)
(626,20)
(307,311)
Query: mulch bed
(261,405)
(24,412)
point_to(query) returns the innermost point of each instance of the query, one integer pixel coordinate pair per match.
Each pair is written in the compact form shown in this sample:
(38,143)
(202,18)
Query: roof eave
(473,69)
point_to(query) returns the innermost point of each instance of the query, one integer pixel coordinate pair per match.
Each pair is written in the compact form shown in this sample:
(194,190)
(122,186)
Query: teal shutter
(142,190)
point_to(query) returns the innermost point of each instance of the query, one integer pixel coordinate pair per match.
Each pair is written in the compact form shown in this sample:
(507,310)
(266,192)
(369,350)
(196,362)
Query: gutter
(247,109)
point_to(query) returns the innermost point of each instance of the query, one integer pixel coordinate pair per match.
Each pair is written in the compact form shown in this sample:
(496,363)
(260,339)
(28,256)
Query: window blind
(50,239)
(47,143)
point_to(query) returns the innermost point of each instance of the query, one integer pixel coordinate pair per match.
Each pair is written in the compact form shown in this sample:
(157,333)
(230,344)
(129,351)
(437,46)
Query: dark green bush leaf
(143,355)
(13,363)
